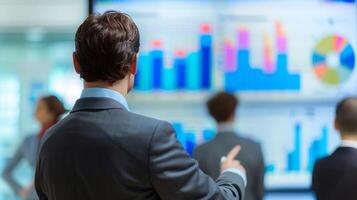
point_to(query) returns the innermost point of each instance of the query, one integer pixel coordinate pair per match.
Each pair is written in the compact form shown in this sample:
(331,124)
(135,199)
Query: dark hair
(222,106)
(346,115)
(106,45)
(54,105)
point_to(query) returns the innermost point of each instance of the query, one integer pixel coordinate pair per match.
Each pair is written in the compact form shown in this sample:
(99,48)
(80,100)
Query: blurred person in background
(335,176)
(222,107)
(49,110)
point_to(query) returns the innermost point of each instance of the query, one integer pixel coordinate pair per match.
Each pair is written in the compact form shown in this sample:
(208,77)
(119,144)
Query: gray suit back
(102,151)
(209,154)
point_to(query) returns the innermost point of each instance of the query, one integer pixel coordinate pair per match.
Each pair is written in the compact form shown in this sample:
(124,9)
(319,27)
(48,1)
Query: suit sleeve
(10,167)
(174,175)
(39,179)
(260,174)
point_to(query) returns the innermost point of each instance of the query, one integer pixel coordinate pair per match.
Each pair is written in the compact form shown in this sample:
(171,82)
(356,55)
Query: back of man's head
(346,116)
(106,47)
(222,106)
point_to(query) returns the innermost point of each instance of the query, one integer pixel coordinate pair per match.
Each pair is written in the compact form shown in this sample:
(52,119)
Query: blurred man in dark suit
(103,151)
(335,176)
(222,108)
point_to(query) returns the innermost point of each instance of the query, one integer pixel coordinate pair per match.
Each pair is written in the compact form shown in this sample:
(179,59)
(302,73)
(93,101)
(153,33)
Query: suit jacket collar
(96,103)
(226,133)
(346,149)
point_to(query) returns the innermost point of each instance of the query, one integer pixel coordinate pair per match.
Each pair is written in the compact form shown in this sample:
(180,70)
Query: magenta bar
(243,39)
(281,44)
(229,58)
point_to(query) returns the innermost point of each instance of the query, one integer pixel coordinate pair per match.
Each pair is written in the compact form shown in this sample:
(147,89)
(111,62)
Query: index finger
(233,153)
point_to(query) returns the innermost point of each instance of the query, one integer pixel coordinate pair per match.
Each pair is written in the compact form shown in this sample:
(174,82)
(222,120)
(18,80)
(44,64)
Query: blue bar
(270,168)
(193,72)
(157,57)
(144,78)
(318,149)
(180,135)
(243,64)
(297,146)
(324,143)
(313,151)
(190,142)
(208,134)
(282,64)
(206,60)
(294,157)
(180,66)
(169,78)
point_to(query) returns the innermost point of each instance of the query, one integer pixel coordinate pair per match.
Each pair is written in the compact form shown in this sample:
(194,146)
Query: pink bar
(157,44)
(268,56)
(281,41)
(281,44)
(243,39)
(181,53)
(229,58)
(268,62)
(206,28)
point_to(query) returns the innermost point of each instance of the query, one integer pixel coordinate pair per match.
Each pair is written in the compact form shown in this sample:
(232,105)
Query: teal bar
(169,78)
(193,71)
(145,72)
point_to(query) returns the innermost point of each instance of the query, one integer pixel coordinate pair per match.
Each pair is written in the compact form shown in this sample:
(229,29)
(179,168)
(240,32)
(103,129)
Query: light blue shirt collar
(103,92)
(226,127)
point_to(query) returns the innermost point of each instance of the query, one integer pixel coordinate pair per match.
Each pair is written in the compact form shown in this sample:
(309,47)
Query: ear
(77,67)
(134,66)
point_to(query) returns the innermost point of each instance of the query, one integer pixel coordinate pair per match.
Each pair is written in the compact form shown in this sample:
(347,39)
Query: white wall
(18,14)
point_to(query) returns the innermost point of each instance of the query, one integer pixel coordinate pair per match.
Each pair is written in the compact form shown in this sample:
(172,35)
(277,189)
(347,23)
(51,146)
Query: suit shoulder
(250,142)
(322,162)
(149,124)
(204,147)
(144,118)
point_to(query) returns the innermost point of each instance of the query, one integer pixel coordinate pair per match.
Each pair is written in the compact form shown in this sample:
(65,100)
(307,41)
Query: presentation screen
(288,61)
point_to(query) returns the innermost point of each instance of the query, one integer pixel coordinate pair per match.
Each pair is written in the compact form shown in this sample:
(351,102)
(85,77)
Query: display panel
(250,47)
(289,61)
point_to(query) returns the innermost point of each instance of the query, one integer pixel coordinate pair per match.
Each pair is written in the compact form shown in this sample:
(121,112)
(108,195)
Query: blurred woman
(48,112)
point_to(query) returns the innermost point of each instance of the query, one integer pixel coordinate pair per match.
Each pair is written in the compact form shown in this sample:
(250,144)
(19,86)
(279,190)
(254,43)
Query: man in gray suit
(102,151)
(222,108)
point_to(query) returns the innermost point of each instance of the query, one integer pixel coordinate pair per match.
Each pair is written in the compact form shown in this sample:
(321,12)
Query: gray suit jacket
(102,151)
(26,151)
(209,154)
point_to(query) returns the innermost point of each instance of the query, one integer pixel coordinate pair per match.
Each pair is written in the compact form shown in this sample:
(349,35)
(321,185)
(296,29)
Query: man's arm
(175,175)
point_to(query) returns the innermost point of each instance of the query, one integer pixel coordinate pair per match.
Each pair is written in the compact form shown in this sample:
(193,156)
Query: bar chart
(240,75)
(317,148)
(294,157)
(188,71)
(189,138)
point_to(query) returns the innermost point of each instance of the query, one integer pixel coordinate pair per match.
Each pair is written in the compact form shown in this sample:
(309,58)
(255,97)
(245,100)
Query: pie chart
(333,60)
